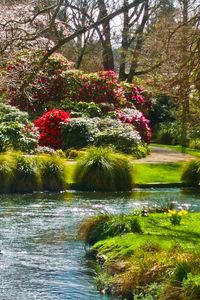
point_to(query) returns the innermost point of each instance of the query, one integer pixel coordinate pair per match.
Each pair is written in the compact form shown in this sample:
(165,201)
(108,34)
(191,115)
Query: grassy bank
(146,257)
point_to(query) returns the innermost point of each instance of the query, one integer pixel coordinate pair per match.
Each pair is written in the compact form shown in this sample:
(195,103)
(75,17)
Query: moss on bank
(160,261)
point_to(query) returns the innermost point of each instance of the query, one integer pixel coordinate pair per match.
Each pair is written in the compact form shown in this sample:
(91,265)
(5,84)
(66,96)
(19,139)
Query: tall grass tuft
(90,228)
(53,172)
(7,166)
(103,170)
(26,177)
(191,172)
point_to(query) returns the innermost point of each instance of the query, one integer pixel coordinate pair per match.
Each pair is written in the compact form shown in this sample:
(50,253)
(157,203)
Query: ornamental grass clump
(101,169)
(53,172)
(7,165)
(26,176)
(191,172)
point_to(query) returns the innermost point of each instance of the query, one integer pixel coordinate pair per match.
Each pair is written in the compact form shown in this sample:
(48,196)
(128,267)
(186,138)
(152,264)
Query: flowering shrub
(137,98)
(136,118)
(55,83)
(176,216)
(122,137)
(16,131)
(79,132)
(49,125)
(49,83)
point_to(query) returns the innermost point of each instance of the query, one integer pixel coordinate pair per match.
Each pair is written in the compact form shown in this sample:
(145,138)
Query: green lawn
(157,173)
(157,229)
(178,148)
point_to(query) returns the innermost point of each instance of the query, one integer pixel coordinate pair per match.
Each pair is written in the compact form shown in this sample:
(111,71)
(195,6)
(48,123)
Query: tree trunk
(107,56)
(124,46)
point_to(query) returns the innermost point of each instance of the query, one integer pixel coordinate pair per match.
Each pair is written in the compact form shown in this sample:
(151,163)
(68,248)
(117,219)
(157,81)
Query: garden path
(164,155)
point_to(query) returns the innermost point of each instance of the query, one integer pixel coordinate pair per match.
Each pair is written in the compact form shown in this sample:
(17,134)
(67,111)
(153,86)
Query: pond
(40,255)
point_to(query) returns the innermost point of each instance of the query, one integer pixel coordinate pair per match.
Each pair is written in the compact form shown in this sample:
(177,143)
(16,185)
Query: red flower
(49,127)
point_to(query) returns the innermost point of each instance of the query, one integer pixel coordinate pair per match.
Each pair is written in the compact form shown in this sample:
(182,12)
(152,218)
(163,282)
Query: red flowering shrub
(140,122)
(101,88)
(49,125)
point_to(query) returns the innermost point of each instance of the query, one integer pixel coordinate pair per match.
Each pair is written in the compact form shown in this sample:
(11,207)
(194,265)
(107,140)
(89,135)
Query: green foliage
(90,109)
(91,227)
(191,172)
(16,131)
(121,136)
(20,173)
(168,133)
(7,166)
(104,226)
(182,269)
(162,262)
(73,153)
(191,287)
(195,144)
(162,110)
(53,172)
(26,175)
(102,169)
(78,133)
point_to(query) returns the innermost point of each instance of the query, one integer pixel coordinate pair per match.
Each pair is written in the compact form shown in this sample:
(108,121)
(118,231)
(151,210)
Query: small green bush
(103,170)
(121,136)
(168,134)
(191,172)
(53,172)
(78,133)
(16,131)
(90,109)
(26,176)
(191,287)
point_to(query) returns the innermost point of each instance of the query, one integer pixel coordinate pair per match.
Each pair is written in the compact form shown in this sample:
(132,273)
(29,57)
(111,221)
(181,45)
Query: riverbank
(146,255)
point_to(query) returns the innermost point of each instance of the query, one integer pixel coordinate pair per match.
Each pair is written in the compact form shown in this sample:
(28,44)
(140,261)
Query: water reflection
(41,258)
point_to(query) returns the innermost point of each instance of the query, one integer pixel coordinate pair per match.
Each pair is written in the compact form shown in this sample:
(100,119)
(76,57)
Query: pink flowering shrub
(137,98)
(138,120)
(47,87)
(49,125)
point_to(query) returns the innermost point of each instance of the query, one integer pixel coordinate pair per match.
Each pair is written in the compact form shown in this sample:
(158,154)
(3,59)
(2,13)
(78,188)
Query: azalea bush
(138,120)
(16,131)
(49,126)
(137,98)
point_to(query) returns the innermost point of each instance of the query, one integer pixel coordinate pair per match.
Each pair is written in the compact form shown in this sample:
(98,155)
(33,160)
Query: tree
(175,40)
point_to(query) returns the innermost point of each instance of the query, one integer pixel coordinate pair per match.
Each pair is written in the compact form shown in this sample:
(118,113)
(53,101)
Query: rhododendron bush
(48,86)
(49,125)
(58,86)
(138,120)
(16,131)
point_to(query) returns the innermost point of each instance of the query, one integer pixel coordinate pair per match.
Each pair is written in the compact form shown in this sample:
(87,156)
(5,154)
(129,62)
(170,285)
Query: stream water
(41,257)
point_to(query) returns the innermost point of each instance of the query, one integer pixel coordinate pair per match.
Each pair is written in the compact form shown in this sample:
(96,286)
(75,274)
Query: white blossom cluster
(21,26)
